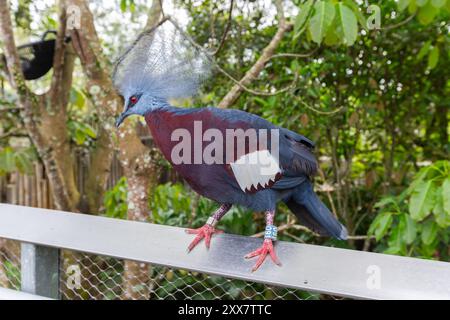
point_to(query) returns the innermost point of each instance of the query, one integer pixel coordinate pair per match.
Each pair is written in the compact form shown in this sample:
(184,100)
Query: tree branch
(256,92)
(41,127)
(99,85)
(325,113)
(13,65)
(155,14)
(227,29)
(209,56)
(63,65)
(259,65)
(132,153)
(294,55)
(12,133)
(401,23)
(13,109)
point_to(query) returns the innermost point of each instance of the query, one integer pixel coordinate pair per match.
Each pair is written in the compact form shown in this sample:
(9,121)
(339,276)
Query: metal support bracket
(40,270)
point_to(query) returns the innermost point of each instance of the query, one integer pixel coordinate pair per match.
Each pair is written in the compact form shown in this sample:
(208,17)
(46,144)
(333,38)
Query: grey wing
(296,154)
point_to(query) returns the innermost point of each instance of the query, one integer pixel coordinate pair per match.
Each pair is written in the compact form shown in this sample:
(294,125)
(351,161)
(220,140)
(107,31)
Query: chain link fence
(9,264)
(92,277)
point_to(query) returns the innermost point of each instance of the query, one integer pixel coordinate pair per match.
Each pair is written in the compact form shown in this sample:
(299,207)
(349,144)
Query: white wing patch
(256,171)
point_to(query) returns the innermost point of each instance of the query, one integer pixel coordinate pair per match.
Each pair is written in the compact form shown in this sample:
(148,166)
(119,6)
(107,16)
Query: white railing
(8,294)
(339,272)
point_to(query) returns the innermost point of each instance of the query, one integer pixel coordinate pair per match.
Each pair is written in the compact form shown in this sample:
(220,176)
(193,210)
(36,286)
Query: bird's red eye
(133,99)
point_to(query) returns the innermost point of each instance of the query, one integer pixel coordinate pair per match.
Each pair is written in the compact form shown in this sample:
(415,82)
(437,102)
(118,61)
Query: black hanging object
(37,57)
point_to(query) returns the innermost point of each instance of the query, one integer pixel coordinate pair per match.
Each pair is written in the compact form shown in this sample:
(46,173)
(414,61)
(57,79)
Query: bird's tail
(313,214)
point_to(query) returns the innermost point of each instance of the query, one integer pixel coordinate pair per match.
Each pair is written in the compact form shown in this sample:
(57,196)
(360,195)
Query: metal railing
(75,256)
(9,294)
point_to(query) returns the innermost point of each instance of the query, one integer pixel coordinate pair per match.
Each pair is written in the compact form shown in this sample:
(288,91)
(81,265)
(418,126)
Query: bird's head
(139,104)
(160,65)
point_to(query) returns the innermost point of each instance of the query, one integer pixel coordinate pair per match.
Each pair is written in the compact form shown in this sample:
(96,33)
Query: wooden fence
(33,190)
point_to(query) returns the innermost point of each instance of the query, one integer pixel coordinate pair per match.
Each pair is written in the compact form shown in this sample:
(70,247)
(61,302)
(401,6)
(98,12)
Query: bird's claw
(266,249)
(204,232)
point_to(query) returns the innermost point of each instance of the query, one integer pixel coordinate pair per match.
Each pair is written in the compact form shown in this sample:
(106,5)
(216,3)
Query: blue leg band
(271,232)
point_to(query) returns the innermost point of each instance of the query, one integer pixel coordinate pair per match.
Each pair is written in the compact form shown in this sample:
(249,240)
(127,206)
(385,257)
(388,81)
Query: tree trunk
(136,159)
(136,275)
(45,116)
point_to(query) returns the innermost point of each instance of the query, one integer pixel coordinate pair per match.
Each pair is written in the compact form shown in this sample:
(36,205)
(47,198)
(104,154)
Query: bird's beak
(122,117)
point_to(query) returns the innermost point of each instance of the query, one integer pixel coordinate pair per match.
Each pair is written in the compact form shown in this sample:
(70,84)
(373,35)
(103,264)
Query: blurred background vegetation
(375,99)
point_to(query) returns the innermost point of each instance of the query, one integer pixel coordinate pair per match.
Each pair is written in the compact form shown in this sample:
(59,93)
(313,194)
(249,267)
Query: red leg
(266,249)
(208,229)
(204,232)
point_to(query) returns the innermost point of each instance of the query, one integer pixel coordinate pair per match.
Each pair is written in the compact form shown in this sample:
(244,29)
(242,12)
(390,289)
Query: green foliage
(321,20)
(348,23)
(22,15)
(426,10)
(331,22)
(305,10)
(336,22)
(433,58)
(20,160)
(80,132)
(13,274)
(417,222)
(77,98)
(127,5)
(115,200)
(422,200)
(172,204)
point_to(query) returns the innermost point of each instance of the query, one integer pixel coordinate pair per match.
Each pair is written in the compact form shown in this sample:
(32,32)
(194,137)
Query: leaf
(300,20)
(421,3)
(88,130)
(123,5)
(393,250)
(23,162)
(77,98)
(79,137)
(7,163)
(262,102)
(348,23)
(424,50)
(433,58)
(426,14)
(446,195)
(132,6)
(438,3)
(442,217)
(380,225)
(410,229)
(412,8)
(332,37)
(418,179)
(321,20)
(429,232)
(385,201)
(422,201)
(396,237)
(403,4)
(52,23)
(358,13)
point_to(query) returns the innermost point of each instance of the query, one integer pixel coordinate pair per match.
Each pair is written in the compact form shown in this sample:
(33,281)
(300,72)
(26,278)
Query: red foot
(267,248)
(204,232)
